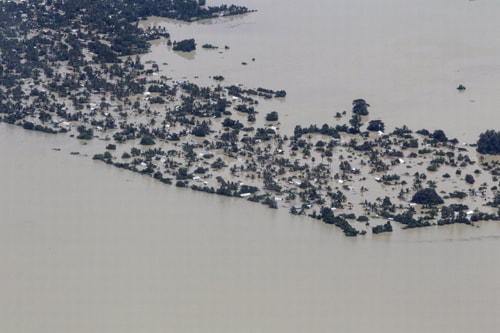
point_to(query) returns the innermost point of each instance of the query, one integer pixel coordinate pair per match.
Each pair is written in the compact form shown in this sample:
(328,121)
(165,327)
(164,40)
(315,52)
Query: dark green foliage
(44,116)
(182,174)
(248,189)
(324,130)
(410,222)
(355,123)
(186,45)
(210,47)
(328,217)
(106,157)
(180,183)
(480,216)
(360,107)
(376,125)
(270,203)
(458,194)
(128,44)
(382,228)
(45,129)
(453,214)
(410,143)
(234,124)
(433,167)
(135,151)
(427,196)
(202,129)
(272,116)
(28,125)
(103,52)
(280,94)
(218,164)
(489,143)
(200,170)
(147,140)
(439,136)
(85,133)
(362,218)
(496,200)
(469,179)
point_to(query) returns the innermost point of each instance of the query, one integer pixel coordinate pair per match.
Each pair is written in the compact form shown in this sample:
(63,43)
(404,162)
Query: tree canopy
(360,107)
(489,142)
(186,45)
(427,196)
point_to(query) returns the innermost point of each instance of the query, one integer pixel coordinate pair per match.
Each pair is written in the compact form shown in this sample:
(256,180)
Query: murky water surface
(89,248)
(406,58)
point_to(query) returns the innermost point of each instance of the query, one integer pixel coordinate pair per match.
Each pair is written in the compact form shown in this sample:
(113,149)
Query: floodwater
(406,58)
(90,248)
(85,247)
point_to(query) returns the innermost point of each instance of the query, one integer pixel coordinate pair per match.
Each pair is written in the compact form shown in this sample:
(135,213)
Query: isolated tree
(489,142)
(272,116)
(360,107)
(427,196)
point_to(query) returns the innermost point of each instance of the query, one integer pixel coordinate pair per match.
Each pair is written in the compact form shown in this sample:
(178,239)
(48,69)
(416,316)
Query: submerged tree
(427,196)
(489,142)
(360,107)
(186,45)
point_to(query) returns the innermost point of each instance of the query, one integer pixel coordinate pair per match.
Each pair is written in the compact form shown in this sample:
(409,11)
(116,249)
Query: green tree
(376,125)
(360,107)
(439,135)
(272,116)
(469,179)
(489,143)
(427,196)
(186,45)
(147,140)
(355,123)
(85,133)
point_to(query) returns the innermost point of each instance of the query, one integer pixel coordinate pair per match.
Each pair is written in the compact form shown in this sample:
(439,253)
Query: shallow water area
(90,248)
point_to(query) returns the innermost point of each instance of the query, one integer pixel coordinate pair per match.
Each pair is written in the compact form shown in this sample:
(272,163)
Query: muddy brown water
(89,248)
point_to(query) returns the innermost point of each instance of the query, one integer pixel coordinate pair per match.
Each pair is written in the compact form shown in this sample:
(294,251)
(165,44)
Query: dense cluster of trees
(489,142)
(314,129)
(376,125)
(387,227)
(272,116)
(328,217)
(185,10)
(427,196)
(186,45)
(360,107)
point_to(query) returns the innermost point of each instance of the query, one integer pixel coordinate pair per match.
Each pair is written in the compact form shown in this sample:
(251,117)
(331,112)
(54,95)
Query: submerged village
(73,68)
